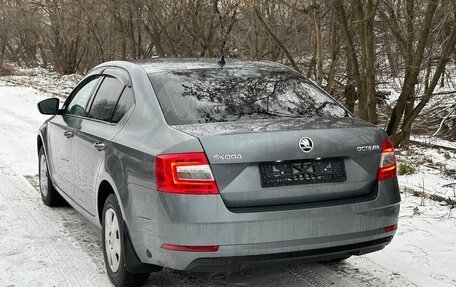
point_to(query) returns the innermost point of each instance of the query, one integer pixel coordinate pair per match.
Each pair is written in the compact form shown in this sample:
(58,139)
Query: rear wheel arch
(104,190)
(132,262)
(106,187)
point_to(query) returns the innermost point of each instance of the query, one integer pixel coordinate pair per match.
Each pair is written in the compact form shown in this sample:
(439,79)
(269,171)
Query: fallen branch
(432,145)
(449,184)
(451,202)
(443,121)
(444,93)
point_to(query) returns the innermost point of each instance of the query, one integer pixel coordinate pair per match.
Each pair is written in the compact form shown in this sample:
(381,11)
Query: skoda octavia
(207,165)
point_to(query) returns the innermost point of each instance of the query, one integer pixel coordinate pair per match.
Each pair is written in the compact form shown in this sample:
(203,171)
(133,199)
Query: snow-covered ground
(40,246)
(435,169)
(434,141)
(51,83)
(37,244)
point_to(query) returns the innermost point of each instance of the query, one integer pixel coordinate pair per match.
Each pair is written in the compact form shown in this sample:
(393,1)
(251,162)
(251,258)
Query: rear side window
(106,99)
(80,100)
(236,94)
(125,103)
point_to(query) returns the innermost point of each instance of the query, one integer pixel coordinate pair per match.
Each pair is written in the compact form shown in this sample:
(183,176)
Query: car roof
(156,65)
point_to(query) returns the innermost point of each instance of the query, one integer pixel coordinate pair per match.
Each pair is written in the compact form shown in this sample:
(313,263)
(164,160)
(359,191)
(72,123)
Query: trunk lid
(236,150)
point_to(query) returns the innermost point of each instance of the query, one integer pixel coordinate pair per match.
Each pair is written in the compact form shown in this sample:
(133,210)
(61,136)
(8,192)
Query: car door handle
(99,146)
(69,134)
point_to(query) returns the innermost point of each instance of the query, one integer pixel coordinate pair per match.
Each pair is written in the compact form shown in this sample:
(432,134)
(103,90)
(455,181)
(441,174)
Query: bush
(6,70)
(405,169)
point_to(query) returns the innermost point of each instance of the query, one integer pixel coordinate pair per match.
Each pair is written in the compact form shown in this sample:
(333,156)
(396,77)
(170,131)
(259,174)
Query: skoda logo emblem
(306,144)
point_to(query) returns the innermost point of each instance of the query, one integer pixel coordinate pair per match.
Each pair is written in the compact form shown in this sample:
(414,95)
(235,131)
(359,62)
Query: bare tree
(350,48)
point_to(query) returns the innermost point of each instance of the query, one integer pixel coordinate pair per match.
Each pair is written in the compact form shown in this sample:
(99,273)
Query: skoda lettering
(227,156)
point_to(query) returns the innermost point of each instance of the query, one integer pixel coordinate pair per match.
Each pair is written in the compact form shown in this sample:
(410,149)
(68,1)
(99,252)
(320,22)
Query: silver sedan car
(208,165)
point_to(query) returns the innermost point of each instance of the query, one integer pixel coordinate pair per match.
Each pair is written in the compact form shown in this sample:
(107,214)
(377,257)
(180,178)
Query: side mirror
(49,106)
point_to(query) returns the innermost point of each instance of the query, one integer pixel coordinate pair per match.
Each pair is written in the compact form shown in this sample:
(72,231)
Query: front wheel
(113,247)
(49,195)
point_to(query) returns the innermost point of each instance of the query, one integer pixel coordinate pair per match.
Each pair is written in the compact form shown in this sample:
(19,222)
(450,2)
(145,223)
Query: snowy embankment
(57,247)
(435,168)
(50,83)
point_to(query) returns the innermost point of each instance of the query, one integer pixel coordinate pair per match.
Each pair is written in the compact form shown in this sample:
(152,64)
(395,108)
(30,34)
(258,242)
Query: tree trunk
(318,44)
(370,62)
(414,59)
(447,50)
(333,51)
(352,60)
(364,17)
(391,55)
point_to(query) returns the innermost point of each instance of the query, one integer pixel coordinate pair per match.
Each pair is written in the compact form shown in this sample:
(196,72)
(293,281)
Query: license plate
(302,172)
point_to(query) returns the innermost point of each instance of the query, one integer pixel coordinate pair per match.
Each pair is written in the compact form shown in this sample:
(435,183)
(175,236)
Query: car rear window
(220,95)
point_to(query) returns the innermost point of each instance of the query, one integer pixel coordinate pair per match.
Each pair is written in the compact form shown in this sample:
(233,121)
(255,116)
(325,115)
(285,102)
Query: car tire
(49,195)
(113,247)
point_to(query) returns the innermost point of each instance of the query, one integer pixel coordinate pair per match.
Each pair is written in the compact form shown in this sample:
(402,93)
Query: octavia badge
(305,144)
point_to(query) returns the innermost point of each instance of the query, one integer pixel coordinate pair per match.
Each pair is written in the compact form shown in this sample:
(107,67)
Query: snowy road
(40,246)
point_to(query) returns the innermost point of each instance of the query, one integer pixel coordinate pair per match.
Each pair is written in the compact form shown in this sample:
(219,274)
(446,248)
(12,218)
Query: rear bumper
(237,263)
(250,239)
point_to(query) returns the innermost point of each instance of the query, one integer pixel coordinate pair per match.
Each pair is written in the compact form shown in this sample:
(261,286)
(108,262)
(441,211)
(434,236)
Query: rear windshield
(221,95)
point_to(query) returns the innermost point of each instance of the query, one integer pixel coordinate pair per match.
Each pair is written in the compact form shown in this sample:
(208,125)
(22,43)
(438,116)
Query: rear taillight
(185,173)
(387,167)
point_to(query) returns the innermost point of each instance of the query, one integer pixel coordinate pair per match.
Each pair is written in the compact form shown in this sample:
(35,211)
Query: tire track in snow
(368,273)
(30,221)
(51,249)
